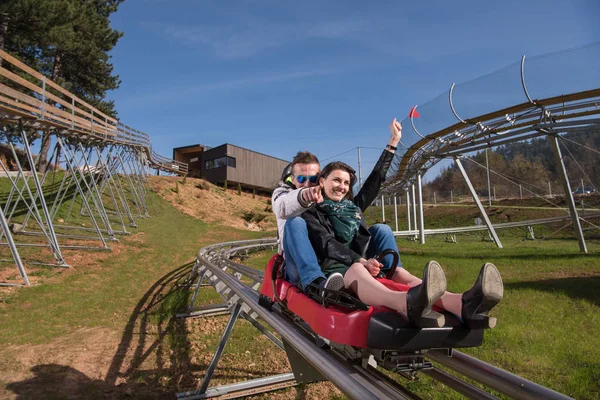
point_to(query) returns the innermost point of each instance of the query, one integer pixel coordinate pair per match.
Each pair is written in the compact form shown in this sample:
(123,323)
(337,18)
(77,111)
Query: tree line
(522,168)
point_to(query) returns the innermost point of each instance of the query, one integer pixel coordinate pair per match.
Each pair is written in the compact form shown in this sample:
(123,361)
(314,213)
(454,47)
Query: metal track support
(484,215)
(222,343)
(421,216)
(553,138)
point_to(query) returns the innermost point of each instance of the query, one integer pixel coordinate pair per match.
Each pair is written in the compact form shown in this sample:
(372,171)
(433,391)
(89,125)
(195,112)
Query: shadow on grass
(153,330)
(167,349)
(153,358)
(585,288)
(59,381)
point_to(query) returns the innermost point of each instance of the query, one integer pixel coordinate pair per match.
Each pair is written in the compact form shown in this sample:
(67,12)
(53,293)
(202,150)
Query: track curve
(214,264)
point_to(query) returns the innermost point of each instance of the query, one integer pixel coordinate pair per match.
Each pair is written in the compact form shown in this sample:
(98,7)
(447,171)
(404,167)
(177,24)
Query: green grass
(548,321)
(547,330)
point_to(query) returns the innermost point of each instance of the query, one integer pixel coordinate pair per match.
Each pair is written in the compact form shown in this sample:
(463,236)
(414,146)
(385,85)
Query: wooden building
(252,170)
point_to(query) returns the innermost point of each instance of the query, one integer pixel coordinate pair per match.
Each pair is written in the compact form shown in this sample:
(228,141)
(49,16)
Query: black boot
(420,299)
(482,297)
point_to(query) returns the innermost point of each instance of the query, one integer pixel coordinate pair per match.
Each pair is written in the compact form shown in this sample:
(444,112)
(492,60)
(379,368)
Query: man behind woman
(344,245)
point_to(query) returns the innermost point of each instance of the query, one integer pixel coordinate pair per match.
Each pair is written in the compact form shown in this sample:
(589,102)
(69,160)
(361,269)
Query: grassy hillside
(105,328)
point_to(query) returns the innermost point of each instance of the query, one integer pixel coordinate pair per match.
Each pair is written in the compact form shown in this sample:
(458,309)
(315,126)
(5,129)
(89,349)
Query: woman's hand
(372,265)
(396,130)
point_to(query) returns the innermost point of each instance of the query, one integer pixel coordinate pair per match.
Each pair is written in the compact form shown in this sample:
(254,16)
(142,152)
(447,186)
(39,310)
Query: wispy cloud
(253,36)
(174,92)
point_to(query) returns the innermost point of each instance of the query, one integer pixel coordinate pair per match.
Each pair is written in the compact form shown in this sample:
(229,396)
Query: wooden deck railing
(30,98)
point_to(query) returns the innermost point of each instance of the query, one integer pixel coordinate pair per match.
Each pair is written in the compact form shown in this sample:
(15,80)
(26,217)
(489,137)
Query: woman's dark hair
(338,165)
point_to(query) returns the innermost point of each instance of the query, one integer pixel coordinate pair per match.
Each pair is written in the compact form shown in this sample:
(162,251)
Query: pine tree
(68,41)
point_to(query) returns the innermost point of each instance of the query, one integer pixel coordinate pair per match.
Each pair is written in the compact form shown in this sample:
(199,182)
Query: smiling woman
(345,245)
(336,180)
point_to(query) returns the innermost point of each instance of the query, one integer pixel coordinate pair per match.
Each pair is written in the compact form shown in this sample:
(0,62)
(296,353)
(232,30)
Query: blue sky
(324,76)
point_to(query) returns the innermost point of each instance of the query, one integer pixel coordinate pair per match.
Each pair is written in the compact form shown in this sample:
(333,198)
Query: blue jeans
(382,238)
(302,266)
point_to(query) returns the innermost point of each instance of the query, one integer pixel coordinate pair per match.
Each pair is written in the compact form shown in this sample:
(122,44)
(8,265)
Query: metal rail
(354,380)
(503,225)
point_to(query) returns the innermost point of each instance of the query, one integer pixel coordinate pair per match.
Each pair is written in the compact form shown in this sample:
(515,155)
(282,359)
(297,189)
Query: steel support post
(568,194)
(414,206)
(60,194)
(84,201)
(120,190)
(96,194)
(13,248)
(421,216)
(382,210)
(222,343)
(484,215)
(54,241)
(107,181)
(396,212)
(139,184)
(408,208)
(487,168)
(134,194)
(30,207)
(142,182)
(42,181)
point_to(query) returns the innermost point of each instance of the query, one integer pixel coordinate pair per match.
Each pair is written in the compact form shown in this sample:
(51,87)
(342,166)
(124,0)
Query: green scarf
(345,217)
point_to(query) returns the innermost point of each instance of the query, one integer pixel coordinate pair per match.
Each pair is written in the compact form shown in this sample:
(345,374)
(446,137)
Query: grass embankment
(118,310)
(107,329)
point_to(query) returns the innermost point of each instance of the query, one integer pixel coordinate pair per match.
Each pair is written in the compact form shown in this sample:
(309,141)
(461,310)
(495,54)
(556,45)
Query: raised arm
(370,189)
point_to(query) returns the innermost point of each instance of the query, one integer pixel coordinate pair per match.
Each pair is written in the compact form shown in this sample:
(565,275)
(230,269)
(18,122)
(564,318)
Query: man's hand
(312,195)
(396,130)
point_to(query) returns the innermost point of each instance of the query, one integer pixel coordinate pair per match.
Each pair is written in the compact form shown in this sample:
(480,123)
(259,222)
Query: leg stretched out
(472,306)
(415,304)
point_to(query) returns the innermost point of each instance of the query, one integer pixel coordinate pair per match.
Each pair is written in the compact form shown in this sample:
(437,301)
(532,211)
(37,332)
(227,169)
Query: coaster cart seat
(341,318)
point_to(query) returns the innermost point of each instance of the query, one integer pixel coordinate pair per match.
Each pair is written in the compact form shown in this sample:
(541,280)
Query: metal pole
(56,249)
(94,194)
(421,217)
(79,189)
(105,171)
(359,170)
(495,199)
(133,192)
(549,189)
(414,199)
(582,190)
(396,212)
(521,191)
(32,207)
(13,248)
(121,191)
(382,210)
(479,205)
(487,167)
(217,356)
(408,208)
(568,194)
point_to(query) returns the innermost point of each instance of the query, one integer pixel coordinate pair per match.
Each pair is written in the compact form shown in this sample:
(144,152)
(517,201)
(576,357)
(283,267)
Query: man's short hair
(304,157)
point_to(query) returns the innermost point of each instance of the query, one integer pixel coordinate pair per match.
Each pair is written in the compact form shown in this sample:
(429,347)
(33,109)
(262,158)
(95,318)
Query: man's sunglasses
(303,178)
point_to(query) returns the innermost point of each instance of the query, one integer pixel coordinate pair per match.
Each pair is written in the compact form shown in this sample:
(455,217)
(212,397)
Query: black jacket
(320,231)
